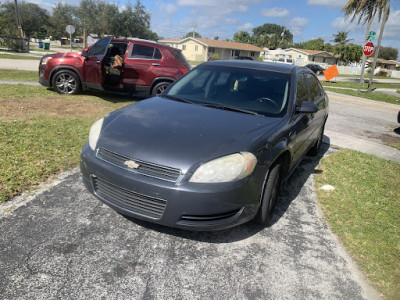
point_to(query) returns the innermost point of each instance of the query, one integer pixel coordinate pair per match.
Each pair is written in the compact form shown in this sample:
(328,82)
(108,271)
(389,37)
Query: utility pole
(194,23)
(17,17)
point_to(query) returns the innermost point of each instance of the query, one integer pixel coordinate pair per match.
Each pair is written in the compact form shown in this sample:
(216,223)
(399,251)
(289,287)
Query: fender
(66,67)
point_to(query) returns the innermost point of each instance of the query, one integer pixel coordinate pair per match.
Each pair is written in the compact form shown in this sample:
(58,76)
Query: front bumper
(185,205)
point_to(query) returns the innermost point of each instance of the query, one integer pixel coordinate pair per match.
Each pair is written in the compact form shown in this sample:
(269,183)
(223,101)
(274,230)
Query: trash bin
(46,46)
(41,45)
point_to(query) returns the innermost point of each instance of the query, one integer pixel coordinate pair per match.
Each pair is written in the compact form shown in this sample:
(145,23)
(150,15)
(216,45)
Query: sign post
(70,29)
(368,49)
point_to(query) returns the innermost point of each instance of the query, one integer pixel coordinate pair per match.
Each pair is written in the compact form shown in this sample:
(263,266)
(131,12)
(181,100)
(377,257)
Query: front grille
(145,168)
(134,202)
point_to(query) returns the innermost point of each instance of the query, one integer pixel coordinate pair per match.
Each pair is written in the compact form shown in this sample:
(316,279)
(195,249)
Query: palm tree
(366,10)
(340,38)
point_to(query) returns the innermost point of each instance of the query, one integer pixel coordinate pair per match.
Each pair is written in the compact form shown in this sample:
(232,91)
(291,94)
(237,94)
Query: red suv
(147,67)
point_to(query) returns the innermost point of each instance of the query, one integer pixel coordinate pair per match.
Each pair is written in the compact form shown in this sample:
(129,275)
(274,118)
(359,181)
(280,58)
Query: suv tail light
(183,70)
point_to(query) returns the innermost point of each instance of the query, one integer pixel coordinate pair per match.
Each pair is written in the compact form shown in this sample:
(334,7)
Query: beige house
(199,49)
(383,63)
(303,57)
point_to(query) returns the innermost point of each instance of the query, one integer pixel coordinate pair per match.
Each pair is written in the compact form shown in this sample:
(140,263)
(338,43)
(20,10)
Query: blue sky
(306,19)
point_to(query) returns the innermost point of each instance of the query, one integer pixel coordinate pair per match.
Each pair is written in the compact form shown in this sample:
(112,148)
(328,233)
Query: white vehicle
(284,60)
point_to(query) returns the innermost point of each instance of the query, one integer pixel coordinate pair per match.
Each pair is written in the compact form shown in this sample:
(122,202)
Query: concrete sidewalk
(19,64)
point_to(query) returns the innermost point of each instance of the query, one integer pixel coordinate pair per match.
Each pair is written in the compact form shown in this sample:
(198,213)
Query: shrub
(215,56)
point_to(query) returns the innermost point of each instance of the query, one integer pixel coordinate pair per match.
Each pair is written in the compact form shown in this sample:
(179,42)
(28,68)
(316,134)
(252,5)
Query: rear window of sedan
(260,91)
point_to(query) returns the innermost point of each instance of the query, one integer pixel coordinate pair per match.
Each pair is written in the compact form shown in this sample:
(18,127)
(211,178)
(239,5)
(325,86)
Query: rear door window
(302,90)
(315,88)
(145,52)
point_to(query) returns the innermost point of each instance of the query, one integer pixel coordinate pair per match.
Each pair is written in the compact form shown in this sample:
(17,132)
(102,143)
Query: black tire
(317,145)
(159,88)
(66,82)
(270,195)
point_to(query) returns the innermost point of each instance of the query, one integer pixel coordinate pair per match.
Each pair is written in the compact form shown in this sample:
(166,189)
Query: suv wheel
(159,88)
(66,82)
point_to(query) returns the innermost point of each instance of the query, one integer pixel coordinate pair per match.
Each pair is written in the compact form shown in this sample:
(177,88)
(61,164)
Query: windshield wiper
(230,108)
(177,99)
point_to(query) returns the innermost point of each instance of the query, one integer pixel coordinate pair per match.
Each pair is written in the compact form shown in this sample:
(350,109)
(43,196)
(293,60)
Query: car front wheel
(66,82)
(159,88)
(270,195)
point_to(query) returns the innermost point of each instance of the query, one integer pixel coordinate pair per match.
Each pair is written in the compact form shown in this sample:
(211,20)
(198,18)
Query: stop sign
(368,48)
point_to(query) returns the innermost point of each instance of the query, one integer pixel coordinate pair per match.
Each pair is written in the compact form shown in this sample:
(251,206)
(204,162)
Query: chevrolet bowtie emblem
(131,164)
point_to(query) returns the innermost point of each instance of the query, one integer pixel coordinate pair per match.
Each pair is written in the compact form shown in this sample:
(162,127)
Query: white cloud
(328,3)
(168,8)
(345,24)
(297,25)
(245,27)
(275,12)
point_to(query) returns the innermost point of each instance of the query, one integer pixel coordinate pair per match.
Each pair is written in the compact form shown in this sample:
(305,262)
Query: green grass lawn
(42,133)
(364,212)
(354,85)
(16,56)
(372,96)
(19,75)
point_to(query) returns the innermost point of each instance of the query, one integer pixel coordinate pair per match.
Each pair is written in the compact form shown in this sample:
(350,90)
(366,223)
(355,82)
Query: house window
(196,48)
(211,49)
(235,53)
(252,53)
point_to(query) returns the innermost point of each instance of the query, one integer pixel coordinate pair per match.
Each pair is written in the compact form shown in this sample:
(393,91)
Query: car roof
(131,39)
(251,64)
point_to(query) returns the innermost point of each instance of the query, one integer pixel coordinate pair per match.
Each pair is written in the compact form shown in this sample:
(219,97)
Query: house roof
(311,52)
(382,61)
(218,44)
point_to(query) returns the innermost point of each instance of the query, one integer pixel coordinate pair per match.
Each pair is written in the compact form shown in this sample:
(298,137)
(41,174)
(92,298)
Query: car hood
(64,55)
(180,135)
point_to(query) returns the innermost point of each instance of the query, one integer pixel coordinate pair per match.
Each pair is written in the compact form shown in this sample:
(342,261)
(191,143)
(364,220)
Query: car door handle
(98,62)
(155,64)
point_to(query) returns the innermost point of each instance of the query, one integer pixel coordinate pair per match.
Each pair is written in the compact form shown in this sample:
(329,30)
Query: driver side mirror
(85,54)
(307,107)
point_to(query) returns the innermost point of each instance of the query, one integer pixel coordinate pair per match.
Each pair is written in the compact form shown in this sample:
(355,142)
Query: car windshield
(247,90)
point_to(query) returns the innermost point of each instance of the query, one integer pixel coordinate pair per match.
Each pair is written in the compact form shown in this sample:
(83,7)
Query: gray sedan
(213,151)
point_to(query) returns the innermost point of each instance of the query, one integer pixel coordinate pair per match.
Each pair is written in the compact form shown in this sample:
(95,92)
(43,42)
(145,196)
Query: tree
(190,34)
(388,53)
(366,10)
(349,53)
(272,36)
(242,37)
(340,38)
(62,15)
(315,44)
(33,19)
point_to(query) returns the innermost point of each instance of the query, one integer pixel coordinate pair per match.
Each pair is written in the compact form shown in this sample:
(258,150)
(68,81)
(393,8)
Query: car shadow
(288,193)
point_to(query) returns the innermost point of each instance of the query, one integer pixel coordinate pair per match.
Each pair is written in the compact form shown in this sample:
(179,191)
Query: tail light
(183,70)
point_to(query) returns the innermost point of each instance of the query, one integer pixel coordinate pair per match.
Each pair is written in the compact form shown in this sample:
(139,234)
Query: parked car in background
(244,57)
(317,69)
(283,60)
(147,67)
(213,150)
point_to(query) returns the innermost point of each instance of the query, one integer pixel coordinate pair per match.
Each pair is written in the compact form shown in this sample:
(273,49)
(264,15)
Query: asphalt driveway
(65,244)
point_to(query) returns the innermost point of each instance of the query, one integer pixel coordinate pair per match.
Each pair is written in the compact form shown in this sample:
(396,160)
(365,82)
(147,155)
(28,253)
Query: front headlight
(95,133)
(45,60)
(227,168)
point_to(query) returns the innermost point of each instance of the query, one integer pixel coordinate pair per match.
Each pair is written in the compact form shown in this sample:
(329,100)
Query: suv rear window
(180,57)
(145,52)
